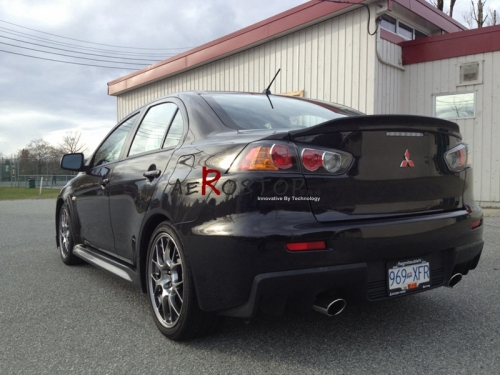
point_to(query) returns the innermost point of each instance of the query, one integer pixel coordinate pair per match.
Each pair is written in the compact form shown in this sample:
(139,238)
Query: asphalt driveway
(56,319)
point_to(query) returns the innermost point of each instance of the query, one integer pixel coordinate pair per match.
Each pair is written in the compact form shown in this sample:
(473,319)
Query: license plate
(407,276)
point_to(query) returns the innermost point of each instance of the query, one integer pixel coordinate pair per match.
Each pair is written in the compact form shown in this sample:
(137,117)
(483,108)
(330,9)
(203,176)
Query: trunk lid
(398,167)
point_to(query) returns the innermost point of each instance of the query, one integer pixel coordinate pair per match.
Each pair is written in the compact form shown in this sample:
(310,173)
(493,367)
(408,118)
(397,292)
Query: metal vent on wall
(469,73)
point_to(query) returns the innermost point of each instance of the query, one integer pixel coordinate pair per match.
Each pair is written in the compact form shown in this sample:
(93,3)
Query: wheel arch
(147,230)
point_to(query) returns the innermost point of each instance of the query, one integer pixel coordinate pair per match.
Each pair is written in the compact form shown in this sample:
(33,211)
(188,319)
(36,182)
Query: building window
(455,106)
(405,31)
(397,27)
(419,35)
(389,23)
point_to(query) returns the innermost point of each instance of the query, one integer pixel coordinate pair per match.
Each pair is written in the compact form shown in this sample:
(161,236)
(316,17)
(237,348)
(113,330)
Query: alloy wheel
(165,272)
(64,233)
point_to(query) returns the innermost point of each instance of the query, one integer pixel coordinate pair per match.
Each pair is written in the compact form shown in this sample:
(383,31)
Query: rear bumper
(275,291)
(241,265)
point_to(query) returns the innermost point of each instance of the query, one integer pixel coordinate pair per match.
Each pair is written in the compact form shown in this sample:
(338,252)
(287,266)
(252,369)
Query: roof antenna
(268,92)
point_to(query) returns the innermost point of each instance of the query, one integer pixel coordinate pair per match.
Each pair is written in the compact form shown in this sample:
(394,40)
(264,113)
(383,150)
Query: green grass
(11,193)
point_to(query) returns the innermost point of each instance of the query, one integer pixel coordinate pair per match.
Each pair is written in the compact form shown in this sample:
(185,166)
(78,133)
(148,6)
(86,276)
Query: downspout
(381,59)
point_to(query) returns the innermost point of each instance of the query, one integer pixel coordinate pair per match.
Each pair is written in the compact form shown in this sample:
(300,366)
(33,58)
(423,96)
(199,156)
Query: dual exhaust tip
(454,280)
(331,306)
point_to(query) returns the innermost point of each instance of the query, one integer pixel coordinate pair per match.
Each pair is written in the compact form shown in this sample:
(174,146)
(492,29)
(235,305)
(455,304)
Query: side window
(152,130)
(175,132)
(112,146)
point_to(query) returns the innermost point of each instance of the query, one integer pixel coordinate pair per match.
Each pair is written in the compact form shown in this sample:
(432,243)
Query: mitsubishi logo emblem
(407,162)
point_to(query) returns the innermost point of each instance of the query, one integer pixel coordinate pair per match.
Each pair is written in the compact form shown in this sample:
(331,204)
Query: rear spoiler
(401,123)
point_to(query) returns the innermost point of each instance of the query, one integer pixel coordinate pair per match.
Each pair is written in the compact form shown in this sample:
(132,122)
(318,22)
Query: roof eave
(273,27)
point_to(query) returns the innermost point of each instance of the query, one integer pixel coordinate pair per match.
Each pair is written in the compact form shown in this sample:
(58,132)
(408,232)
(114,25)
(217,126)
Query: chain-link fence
(20,171)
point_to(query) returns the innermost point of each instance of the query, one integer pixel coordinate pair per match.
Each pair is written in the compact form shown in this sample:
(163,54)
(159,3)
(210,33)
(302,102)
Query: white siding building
(325,51)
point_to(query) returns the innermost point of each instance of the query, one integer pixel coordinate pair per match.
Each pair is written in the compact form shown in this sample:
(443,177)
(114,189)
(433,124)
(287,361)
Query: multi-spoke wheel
(171,291)
(65,237)
(166,280)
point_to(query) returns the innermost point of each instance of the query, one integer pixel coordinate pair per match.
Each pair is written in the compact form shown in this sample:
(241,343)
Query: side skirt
(109,264)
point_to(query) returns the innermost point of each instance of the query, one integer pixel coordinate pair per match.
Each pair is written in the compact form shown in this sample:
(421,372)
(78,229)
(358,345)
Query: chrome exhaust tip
(329,306)
(454,280)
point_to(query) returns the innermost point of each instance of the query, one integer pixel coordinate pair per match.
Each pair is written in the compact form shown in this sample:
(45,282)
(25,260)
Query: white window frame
(406,24)
(435,96)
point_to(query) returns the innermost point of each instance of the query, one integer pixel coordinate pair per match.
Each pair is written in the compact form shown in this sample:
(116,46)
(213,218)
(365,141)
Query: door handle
(151,175)
(104,182)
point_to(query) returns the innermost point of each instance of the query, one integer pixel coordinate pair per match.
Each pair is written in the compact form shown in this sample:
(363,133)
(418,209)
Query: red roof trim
(286,21)
(391,37)
(432,14)
(300,16)
(470,42)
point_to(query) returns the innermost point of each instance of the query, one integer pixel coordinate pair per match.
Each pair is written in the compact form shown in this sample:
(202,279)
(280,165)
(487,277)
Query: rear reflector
(476,224)
(304,246)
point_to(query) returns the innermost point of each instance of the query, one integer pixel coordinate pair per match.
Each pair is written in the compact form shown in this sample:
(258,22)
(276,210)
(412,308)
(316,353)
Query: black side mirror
(73,162)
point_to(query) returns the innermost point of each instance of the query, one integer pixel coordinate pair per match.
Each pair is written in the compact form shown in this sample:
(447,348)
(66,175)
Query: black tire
(170,288)
(65,237)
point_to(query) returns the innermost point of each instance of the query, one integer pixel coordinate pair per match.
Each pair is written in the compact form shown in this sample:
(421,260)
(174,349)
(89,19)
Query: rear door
(398,167)
(134,179)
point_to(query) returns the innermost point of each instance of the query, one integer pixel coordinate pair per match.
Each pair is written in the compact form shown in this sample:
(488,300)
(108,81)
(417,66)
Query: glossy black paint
(235,241)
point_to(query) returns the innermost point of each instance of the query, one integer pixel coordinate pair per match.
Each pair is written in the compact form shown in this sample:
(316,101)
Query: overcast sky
(45,99)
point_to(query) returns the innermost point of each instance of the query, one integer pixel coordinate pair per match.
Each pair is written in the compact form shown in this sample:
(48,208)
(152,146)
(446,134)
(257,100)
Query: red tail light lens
(312,159)
(282,156)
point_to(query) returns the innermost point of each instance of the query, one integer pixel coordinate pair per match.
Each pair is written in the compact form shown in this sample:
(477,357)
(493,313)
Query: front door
(92,194)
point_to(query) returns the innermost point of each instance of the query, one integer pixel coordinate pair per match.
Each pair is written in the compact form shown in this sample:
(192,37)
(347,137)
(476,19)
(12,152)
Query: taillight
(312,159)
(331,161)
(263,156)
(456,158)
(282,156)
(258,158)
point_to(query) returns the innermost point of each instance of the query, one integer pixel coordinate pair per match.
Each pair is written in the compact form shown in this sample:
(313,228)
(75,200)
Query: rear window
(257,111)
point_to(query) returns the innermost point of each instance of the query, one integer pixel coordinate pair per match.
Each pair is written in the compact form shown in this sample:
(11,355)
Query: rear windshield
(257,111)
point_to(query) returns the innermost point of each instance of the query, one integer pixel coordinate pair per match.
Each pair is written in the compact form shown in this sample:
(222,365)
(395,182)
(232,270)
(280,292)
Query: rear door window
(175,131)
(151,133)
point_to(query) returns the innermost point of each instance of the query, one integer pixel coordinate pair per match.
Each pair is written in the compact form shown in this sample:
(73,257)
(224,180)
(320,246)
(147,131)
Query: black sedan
(227,204)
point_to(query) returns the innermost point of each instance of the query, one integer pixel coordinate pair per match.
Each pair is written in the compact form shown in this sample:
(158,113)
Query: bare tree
(40,152)
(452,5)
(71,143)
(441,6)
(493,20)
(477,16)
